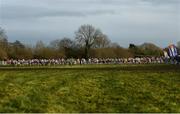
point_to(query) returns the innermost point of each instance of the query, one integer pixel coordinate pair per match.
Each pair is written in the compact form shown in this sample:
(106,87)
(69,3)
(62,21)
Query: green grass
(91,88)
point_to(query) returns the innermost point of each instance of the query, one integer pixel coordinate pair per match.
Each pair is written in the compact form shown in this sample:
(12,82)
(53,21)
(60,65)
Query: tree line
(89,42)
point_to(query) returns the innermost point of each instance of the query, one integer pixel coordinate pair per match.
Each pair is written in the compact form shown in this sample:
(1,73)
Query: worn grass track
(90,88)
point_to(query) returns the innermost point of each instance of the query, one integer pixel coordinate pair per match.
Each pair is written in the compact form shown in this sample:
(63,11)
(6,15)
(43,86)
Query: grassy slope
(102,88)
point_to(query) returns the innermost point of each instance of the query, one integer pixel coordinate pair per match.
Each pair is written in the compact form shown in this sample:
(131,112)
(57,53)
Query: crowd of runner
(72,61)
(170,56)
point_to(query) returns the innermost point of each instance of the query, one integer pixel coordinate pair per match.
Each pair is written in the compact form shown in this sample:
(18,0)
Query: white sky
(124,21)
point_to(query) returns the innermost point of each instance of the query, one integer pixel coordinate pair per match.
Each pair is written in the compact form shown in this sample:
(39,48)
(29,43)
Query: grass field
(92,88)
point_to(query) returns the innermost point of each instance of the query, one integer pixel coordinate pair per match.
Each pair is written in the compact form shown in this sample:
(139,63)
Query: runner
(173,54)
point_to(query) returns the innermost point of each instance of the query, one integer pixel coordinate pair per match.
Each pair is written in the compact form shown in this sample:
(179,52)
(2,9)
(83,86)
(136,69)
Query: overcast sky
(124,21)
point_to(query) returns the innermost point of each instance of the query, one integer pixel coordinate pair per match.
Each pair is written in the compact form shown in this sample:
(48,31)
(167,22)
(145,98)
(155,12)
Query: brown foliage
(110,53)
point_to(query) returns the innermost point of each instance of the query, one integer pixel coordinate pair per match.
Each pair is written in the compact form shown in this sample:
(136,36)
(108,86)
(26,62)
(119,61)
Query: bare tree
(102,42)
(40,45)
(39,49)
(54,44)
(65,43)
(86,36)
(61,44)
(2,34)
(3,40)
(3,44)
